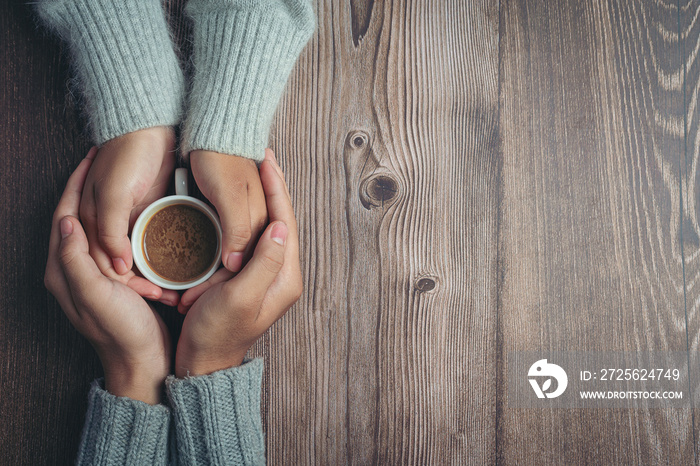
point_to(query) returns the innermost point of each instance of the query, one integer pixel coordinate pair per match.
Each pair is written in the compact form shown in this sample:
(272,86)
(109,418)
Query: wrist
(196,366)
(139,384)
(202,156)
(158,139)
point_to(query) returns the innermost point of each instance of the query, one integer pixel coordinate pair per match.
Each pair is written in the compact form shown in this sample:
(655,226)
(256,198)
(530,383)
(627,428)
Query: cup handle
(181,182)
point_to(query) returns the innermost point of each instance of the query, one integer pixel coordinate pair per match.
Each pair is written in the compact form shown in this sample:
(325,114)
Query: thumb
(77,264)
(268,259)
(113,226)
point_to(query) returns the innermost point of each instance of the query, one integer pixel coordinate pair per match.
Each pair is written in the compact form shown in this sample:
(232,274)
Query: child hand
(131,340)
(232,313)
(129,172)
(232,184)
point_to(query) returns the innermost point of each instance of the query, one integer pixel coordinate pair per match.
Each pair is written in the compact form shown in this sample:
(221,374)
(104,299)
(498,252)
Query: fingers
(252,282)
(69,204)
(82,274)
(114,210)
(89,221)
(258,210)
(168,297)
(235,224)
(288,288)
(150,291)
(270,155)
(279,204)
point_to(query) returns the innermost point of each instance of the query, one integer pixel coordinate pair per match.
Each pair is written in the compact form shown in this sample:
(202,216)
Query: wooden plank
(46,367)
(689,73)
(388,134)
(591,112)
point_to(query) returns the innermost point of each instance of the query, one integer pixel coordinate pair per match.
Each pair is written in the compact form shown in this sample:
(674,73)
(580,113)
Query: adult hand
(129,172)
(224,322)
(130,338)
(232,184)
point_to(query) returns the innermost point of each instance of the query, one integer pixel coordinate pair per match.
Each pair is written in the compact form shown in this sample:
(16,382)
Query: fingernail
(234,261)
(120,265)
(279,233)
(66,228)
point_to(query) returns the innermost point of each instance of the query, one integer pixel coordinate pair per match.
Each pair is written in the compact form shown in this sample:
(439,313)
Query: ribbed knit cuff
(217,416)
(124,62)
(120,430)
(244,51)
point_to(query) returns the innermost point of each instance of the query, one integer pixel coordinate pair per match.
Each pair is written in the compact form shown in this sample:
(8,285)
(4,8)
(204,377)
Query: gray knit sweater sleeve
(123,60)
(217,416)
(212,419)
(244,52)
(120,430)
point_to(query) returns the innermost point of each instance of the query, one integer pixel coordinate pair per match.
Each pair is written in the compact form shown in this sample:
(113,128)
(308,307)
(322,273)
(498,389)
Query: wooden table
(471,178)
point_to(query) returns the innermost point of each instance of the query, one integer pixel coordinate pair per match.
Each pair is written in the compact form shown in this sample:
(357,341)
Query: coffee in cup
(176,241)
(179,243)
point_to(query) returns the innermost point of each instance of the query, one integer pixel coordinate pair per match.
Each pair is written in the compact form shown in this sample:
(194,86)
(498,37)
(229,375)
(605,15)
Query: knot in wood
(358,139)
(425,284)
(377,190)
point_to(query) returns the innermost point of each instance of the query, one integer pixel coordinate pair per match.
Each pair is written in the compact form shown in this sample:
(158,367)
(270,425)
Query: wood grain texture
(688,36)
(46,365)
(389,356)
(591,119)
(470,179)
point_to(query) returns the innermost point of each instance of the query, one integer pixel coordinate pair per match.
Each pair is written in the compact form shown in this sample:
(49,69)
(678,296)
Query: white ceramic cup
(181,197)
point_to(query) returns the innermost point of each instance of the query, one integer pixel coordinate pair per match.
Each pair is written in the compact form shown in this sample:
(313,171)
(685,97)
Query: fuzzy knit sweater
(130,79)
